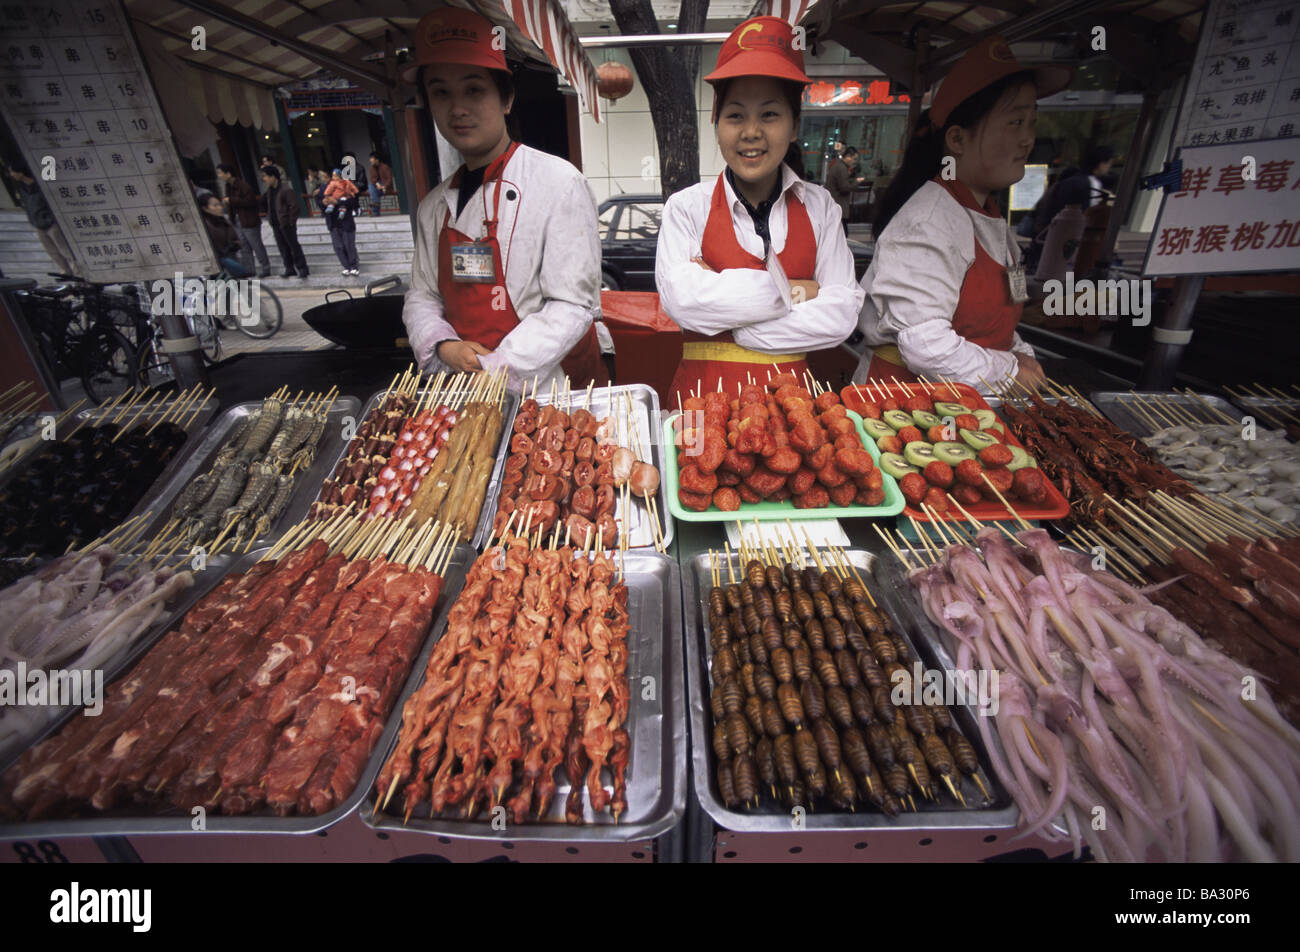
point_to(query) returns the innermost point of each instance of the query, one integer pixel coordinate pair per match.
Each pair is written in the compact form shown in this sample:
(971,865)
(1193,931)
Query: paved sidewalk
(294,335)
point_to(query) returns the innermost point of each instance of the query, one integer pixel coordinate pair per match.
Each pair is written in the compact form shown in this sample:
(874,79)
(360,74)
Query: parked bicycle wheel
(270,315)
(206,330)
(109,364)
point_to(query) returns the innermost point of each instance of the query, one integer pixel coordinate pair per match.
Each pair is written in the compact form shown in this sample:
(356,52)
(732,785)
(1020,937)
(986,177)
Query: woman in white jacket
(945,288)
(507,253)
(754,266)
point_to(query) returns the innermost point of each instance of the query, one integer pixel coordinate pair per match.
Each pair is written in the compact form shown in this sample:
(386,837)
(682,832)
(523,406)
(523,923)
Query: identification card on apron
(472,263)
(1015,282)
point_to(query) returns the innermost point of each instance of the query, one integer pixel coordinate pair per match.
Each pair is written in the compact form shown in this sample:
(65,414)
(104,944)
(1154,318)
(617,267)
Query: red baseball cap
(452,35)
(982,66)
(761,46)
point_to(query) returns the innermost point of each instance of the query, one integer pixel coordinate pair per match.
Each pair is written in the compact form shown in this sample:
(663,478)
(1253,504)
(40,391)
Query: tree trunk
(667,74)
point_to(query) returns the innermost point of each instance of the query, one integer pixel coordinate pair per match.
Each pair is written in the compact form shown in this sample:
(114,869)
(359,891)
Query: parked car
(629,233)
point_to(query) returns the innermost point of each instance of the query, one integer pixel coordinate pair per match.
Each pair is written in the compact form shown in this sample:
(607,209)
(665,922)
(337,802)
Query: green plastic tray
(774,511)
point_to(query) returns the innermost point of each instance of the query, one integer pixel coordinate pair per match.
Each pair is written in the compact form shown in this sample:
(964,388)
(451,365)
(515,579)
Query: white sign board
(1026,193)
(1239,211)
(1244,84)
(76,97)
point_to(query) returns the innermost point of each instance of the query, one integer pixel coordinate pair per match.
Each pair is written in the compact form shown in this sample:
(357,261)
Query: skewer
(731,575)
(890,542)
(1003,500)
(930,550)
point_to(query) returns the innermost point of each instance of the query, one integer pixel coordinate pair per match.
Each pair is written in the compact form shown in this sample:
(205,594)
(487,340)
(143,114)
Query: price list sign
(76,97)
(1244,84)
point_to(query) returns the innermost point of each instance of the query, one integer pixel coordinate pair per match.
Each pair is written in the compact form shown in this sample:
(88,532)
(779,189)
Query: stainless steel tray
(120,822)
(656,786)
(1128,412)
(1269,411)
(194,431)
(205,580)
(1002,813)
(645,411)
(199,460)
(484,528)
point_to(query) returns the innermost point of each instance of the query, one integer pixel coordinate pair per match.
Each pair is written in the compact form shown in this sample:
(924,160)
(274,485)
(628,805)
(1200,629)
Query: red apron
(985,314)
(706,359)
(468,305)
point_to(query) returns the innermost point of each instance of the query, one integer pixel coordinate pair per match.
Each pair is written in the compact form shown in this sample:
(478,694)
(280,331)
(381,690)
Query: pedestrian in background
(282,212)
(841,183)
(241,202)
(41,217)
(381,182)
(224,235)
(340,219)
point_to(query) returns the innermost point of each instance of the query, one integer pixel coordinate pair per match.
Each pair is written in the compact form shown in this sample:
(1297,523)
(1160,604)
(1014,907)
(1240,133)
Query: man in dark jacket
(840,182)
(282,211)
(41,218)
(242,201)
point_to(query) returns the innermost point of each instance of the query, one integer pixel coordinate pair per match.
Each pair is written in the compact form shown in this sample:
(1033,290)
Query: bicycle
(197,309)
(76,328)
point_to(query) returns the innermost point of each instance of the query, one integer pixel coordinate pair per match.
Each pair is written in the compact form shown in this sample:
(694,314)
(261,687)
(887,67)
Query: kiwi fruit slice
(1020,459)
(876,429)
(926,420)
(986,417)
(995,425)
(897,418)
(950,409)
(919,453)
(953,453)
(894,465)
(977,440)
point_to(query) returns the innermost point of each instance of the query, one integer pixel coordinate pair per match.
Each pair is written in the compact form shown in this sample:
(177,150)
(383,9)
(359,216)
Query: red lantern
(613,80)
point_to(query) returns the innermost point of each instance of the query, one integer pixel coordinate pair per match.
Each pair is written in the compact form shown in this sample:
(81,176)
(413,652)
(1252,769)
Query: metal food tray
(121,822)
(205,580)
(1001,814)
(199,461)
(1118,406)
(484,528)
(194,431)
(656,779)
(1277,407)
(645,414)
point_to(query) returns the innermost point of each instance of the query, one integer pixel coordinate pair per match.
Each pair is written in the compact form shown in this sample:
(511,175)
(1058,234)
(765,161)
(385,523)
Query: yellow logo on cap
(740,40)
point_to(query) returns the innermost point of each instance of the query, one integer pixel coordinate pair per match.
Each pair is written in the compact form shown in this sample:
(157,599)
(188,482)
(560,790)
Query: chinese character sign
(1244,84)
(75,95)
(852,92)
(1238,211)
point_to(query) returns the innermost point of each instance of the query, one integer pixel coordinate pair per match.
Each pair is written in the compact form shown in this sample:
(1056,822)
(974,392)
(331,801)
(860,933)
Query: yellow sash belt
(731,353)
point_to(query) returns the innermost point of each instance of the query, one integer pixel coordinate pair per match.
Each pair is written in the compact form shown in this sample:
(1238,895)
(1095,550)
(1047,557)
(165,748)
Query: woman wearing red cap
(754,265)
(507,253)
(945,288)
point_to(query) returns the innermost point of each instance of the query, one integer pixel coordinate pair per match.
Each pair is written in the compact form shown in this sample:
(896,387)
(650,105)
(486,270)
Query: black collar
(764,206)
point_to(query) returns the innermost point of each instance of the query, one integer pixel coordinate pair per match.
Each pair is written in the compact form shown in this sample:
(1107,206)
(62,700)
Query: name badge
(1017,284)
(473,263)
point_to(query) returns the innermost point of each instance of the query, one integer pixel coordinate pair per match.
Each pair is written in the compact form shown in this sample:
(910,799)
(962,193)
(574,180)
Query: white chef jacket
(550,252)
(747,301)
(914,282)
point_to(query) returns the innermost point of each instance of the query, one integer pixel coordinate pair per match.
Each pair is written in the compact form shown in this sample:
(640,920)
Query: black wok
(373,322)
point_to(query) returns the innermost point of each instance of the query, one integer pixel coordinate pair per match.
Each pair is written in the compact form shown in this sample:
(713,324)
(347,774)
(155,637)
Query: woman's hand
(702,263)
(803,290)
(1029,372)
(461,355)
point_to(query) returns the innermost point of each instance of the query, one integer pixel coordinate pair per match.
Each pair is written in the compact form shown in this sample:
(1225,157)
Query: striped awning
(546,25)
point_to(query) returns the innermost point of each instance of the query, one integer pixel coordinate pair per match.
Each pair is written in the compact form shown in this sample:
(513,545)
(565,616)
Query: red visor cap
(982,66)
(761,46)
(452,35)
